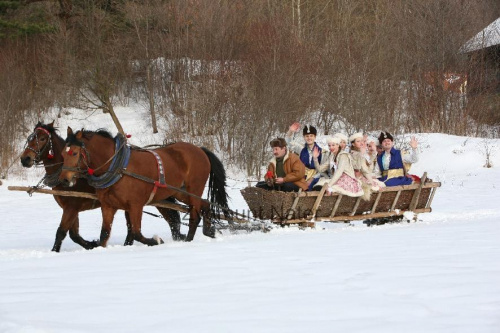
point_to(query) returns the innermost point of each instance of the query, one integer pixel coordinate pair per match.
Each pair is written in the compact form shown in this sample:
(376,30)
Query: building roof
(489,36)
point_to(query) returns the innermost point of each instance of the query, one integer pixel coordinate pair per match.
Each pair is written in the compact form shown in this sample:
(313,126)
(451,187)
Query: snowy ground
(440,274)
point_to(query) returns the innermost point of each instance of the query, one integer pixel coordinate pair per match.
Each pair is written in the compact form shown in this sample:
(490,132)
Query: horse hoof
(179,237)
(93,244)
(210,232)
(158,239)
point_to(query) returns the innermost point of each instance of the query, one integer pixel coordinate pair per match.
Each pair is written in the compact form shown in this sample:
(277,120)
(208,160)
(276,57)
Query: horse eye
(74,154)
(43,139)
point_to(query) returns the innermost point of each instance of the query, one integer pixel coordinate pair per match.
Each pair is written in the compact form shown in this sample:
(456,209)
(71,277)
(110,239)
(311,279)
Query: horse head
(75,158)
(39,145)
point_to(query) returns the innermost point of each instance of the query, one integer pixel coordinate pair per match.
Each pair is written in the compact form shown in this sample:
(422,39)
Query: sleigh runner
(315,206)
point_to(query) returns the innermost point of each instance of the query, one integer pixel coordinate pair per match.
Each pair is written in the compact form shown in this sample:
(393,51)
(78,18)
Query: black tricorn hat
(278,142)
(308,129)
(385,135)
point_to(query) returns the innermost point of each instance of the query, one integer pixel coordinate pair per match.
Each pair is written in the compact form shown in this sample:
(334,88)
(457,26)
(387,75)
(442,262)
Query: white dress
(343,180)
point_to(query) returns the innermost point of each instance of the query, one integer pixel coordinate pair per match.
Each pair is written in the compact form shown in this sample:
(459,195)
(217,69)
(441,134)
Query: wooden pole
(295,202)
(180,208)
(416,194)
(318,200)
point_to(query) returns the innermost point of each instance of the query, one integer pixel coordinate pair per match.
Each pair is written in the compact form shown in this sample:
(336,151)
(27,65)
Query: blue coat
(304,157)
(396,163)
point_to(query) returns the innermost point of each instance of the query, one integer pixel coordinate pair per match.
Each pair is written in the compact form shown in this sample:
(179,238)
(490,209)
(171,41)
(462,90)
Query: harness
(50,180)
(119,162)
(39,153)
(118,168)
(157,183)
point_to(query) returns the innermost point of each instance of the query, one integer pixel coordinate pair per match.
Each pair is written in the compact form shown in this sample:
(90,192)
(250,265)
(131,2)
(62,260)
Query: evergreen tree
(20,19)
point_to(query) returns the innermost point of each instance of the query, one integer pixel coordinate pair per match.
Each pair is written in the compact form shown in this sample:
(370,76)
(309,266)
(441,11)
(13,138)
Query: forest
(231,74)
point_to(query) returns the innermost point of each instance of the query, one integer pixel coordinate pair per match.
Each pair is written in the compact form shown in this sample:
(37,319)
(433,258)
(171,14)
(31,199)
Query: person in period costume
(305,151)
(390,164)
(361,165)
(371,152)
(285,171)
(343,141)
(327,166)
(340,176)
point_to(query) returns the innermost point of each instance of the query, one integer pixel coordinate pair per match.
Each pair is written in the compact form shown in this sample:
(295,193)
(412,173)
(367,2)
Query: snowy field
(441,274)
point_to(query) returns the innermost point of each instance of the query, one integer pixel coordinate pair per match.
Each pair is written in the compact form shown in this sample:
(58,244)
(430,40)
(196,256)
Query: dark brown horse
(45,146)
(179,170)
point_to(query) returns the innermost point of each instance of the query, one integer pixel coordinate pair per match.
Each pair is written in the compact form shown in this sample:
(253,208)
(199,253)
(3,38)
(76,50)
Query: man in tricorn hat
(306,151)
(285,171)
(390,167)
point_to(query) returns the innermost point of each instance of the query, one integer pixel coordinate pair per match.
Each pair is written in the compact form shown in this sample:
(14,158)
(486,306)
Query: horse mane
(72,140)
(51,129)
(169,143)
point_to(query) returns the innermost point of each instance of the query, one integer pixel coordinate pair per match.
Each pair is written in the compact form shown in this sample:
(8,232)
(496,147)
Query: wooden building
(483,82)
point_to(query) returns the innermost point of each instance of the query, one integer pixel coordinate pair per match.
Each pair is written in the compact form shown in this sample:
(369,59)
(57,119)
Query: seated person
(285,171)
(389,167)
(305,151)
(343,141)
(362,166)
(371,153)
(327,166)
(343,179)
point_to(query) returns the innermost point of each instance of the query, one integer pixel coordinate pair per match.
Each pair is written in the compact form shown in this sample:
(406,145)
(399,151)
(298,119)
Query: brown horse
(135,177)
(45,146)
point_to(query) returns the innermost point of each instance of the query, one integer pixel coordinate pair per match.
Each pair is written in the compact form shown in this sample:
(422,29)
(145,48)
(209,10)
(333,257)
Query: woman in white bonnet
(371,152)
(327,165)
(343,141)
(361,165)
(337,171)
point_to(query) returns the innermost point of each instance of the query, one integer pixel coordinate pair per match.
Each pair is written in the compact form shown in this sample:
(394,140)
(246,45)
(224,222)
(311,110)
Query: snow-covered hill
(437,275)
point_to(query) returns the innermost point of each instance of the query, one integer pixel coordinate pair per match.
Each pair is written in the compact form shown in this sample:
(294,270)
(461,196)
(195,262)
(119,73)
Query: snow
(489,36)
(439,274)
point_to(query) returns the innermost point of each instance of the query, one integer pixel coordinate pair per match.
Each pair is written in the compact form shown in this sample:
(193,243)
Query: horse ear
(70,131)
(51,125)
(79,134)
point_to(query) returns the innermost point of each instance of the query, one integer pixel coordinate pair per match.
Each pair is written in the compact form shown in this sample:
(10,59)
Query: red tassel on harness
(269,174)
(90,171)
(70,152)
(129,136)
(50,155)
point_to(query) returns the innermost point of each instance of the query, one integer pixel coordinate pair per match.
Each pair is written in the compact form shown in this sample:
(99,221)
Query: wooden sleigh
(305,208)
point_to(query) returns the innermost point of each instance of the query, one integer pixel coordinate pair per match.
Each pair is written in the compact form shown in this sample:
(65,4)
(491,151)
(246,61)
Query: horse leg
(194,221)
(135,221)
(74,234)
(68,218)
(108,214)
(208,229)
(174,221)
(129,240)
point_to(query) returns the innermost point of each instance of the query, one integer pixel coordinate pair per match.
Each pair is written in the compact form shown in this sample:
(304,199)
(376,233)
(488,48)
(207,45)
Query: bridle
(83,156)
(39,152)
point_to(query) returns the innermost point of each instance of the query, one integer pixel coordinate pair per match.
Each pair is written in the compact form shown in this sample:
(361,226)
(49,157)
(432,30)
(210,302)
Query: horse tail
(217,193)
